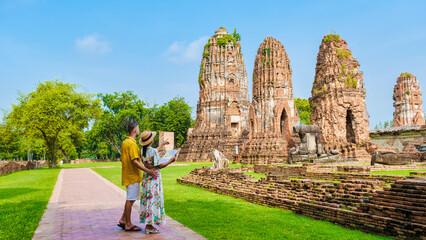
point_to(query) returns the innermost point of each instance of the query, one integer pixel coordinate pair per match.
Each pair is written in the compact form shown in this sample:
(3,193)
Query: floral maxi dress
(152,201)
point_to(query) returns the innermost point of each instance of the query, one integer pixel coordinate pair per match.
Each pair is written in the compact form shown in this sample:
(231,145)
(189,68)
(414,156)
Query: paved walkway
(84,205)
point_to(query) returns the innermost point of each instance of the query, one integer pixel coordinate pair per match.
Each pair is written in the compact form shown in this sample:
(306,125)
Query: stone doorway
(284,128)
(234,128)
(350,132)
(251,129)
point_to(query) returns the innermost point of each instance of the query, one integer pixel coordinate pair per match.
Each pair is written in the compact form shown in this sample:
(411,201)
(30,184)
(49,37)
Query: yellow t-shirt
(130,173)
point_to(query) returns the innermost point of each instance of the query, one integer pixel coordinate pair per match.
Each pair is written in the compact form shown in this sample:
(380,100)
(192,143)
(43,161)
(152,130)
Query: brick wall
(7,167)
(337,202)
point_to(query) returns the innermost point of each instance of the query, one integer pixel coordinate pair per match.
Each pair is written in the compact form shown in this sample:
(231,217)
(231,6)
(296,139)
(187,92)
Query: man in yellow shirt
(131,175)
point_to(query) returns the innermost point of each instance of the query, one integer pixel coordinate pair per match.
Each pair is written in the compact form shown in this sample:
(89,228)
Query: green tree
(9,142)
(103,150)
(50,111)
(120,108)
(69,141)
(173,116)
(303,110)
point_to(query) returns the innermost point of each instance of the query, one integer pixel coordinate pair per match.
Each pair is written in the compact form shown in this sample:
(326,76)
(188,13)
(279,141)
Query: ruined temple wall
(401,139)
(396,211)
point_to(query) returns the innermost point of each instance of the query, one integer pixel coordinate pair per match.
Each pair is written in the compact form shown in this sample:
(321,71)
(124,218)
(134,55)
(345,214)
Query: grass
(324,180)
(23,198)
(256,175)
(396,172)
(217,216)
(91,165)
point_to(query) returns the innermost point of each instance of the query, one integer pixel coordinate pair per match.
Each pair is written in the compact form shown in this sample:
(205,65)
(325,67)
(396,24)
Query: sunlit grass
(23,198)
(217,216)
(397,172)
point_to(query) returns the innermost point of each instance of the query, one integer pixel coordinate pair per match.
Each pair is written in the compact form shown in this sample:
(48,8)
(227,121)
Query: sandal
(134,228)
(122,225)
(153,231)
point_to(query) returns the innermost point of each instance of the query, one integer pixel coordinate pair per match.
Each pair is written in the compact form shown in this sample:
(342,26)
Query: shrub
(331,37)
(222,41)
(234,38)
(208,44)
(206,54)
(351,81)
(344,69)
(266,51)
(200,75)
(343,53)
(405,74)
(407,92)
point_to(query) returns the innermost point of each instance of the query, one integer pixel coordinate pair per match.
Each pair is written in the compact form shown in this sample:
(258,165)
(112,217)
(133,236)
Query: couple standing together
(151,192)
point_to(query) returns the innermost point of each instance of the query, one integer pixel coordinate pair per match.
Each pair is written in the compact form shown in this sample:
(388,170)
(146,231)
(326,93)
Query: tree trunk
(52,160)
(67,159)
(114,145)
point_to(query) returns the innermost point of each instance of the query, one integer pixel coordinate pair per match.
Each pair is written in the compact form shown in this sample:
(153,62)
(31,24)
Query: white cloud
(186,52)
(92,44)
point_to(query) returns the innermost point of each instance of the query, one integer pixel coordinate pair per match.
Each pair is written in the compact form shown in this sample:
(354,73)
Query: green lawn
(91,165)
(397,172)
(256,175)
(23,198)
(217,216)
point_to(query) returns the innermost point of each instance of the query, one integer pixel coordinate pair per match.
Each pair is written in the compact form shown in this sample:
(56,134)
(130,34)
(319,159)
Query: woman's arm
(163,144)
(163,165)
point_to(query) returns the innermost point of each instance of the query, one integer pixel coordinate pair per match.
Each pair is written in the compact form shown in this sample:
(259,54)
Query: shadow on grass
(6,193)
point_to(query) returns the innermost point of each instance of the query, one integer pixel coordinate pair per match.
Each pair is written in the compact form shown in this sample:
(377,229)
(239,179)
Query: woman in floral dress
(152,201)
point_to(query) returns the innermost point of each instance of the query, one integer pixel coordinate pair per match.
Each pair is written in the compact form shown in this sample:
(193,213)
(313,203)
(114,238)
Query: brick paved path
(85,205)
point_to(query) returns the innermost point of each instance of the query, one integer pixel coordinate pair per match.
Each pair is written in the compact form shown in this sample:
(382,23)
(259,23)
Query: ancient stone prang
(272,113)
(338,100)
(407,101)
(223,106)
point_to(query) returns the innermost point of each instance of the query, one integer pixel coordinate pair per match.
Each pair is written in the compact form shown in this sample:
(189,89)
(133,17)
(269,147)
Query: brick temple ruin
(407,101)
(338,100)
(322,185)
(272,113)
(261,132)
(223,106)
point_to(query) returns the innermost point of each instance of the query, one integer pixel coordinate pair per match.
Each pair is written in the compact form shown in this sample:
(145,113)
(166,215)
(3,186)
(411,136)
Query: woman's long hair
(144,148)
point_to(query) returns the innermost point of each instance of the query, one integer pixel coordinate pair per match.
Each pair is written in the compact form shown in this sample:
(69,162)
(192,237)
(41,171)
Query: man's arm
(163,165)
(152,172)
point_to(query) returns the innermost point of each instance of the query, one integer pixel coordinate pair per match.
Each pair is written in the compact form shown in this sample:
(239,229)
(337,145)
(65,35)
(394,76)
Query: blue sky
(154,48)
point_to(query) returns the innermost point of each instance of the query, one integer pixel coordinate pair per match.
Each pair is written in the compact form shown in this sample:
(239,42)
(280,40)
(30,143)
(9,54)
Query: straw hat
(146,137)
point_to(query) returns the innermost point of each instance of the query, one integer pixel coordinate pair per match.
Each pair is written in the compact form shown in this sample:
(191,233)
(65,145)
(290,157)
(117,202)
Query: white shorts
(133,191)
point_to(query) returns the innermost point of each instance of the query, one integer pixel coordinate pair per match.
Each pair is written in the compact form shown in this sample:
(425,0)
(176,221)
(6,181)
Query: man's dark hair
(131,126)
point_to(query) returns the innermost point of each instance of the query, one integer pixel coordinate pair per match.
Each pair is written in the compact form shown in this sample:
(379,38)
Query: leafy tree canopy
(303,110)
(53,110)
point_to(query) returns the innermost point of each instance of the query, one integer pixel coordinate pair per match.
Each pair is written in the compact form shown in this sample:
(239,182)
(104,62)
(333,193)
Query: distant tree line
(386,124)
(55,121)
